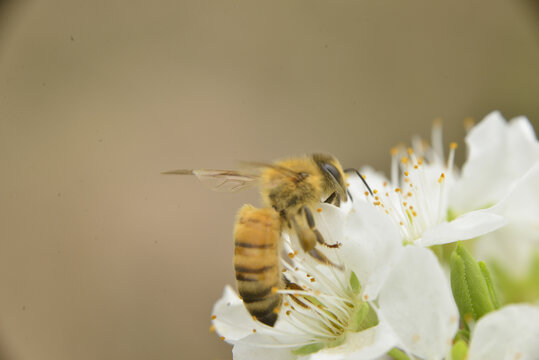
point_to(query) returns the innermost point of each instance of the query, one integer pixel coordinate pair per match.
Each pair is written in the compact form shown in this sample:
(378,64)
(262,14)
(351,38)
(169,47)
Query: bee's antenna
(361,177)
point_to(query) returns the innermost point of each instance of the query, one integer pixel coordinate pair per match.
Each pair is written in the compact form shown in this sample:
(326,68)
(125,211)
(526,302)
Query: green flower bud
(471,291)
(459,351)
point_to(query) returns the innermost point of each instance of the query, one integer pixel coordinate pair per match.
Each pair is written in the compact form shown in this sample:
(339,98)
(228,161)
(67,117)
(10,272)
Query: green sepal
(469,287)
(354,283)
(459,351)
(490,284)
(363,318)
(462,335)
(398,354)
(308,349)
(451,215)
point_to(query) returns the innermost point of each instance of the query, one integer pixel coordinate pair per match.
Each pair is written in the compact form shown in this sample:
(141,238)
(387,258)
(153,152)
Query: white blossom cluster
(396,296)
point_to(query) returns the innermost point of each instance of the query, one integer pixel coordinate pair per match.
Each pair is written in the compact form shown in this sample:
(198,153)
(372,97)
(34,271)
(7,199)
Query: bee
(290,190)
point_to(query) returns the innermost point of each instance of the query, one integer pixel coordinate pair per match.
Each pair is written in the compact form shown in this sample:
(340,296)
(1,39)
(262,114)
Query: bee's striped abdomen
(256,261)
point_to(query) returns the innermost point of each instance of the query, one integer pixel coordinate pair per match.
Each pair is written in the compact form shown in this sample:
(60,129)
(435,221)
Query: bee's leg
(308,239)
(317,254)
(310,221)
(329,200)
(334,199)
(298,299)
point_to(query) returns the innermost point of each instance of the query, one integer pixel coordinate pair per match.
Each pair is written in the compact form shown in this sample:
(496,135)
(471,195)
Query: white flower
(511,333)
(417,197)
(503,170)
(499,153)
(405,286)
(514,245)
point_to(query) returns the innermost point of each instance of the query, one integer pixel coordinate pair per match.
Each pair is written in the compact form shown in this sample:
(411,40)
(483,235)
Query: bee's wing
(221,180)
(283,170)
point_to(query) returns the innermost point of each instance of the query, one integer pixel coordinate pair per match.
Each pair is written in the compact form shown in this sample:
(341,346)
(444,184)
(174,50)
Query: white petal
(509,333)
(418,304)
(364,345)
(511,247)
(371,245)
(245,351)
(467,226)
(232,319)
(499,153)
(521,202)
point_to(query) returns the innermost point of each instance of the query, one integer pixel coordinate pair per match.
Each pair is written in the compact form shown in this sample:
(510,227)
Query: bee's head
(333,175)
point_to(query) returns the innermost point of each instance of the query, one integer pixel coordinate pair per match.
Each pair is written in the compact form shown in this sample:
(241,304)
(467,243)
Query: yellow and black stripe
(256,262)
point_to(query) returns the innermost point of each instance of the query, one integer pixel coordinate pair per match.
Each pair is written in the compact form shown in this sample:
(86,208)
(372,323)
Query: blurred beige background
(101,257)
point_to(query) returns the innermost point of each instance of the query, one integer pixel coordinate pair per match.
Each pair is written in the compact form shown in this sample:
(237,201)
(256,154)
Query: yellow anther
(366,193)
(404,160)
(404,203)
(385,183)
(406,173)
(317,292)
(319,210)
(376,203)
(376,198)
(397,189)
(254,330)
(375,191)
(291,255)
(410,151)
(288,312)
(313,279)
(213,317)
(276,310)
(223,338)
(416,167)
(442,178)
(409,194)
(469,122)
(394,151)
(212,328)
(414,213)
(274,290)
(420,161)
(453,145)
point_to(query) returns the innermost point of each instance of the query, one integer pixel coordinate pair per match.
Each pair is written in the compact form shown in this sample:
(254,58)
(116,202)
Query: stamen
(450,161)
(437,143)
(469,122)
(394,166)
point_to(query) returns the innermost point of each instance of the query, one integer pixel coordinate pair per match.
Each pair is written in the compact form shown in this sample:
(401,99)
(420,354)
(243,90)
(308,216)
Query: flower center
(417,196)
